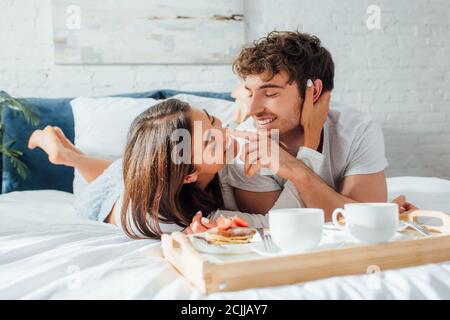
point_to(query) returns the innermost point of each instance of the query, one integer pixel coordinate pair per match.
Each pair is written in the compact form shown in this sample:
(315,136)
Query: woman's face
(212,148)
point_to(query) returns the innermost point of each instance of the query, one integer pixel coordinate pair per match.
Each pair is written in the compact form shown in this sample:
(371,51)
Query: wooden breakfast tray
(253,271)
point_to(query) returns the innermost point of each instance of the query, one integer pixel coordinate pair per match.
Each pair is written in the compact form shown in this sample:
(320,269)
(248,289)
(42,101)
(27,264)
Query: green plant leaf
(13,155)
(28,111)
(30,114)
(20,167)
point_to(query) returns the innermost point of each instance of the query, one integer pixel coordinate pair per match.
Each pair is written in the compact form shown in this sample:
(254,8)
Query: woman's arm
(111,216)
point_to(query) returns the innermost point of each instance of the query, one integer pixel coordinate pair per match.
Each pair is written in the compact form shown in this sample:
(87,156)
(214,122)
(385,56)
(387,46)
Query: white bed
(46,252)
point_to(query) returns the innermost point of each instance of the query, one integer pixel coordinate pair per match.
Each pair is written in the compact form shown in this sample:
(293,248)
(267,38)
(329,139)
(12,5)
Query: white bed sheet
(46,252)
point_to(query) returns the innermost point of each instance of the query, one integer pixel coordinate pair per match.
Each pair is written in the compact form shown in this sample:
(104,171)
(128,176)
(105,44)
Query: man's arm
(365,187)
(288,197)
(312,189)
(358,188)
(315,193)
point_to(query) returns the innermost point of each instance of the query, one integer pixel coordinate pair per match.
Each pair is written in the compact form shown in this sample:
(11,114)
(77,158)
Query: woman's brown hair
(154,184)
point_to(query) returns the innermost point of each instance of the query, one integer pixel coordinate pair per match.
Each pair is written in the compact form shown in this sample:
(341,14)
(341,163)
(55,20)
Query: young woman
(149,192)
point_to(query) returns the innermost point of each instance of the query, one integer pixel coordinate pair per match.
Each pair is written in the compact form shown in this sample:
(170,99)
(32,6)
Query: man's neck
(292,140)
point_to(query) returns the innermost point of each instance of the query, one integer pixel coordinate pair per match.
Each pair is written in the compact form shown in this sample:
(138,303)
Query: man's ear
(191,178)
(318,86)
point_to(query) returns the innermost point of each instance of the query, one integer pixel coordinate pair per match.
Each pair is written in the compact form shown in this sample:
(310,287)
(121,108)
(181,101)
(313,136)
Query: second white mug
(369,222)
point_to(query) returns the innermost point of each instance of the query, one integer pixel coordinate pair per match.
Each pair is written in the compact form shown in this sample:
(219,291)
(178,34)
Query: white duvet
(46,252)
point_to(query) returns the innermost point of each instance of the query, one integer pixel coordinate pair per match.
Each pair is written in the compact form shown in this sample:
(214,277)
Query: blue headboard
(41,174)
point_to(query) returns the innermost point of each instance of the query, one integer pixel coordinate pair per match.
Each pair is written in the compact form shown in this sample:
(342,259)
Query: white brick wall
(400,73)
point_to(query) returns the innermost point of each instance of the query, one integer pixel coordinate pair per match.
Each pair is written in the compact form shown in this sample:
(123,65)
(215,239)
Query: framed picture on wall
(147,31)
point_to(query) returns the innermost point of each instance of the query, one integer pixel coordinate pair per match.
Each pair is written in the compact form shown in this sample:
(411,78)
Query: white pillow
(101,127)
(102,124)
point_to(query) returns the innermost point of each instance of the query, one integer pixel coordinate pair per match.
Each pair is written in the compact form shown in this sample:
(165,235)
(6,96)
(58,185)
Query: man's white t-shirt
(353,144)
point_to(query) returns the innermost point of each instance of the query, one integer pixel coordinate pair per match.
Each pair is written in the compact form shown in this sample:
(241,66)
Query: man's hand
(403,205)
(314,116)
(199,224)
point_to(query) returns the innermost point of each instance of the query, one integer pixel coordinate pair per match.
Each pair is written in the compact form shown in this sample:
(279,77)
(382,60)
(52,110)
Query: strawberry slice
(224,223)
(240,222)
(231,222)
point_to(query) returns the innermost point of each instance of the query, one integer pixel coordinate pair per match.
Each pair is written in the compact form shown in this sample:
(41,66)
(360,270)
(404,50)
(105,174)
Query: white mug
(369,222)
(296,229)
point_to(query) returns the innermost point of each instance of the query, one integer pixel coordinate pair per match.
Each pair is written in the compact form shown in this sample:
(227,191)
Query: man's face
(274,103)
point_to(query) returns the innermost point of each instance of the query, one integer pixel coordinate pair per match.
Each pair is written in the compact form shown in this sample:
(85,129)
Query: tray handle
(178,250)
(444,217)
(182,246)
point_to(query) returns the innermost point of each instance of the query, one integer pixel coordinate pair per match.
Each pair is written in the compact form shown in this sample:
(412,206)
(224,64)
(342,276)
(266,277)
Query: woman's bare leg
(66,142)
(61,151)
(89,167)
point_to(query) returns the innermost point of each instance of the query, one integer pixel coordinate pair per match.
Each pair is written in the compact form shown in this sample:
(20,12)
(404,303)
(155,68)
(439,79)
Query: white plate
(326,243)
(329,226)
(202,245)
(258,247)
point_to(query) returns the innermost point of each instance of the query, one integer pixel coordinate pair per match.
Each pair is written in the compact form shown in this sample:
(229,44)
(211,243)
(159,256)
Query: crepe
(236,235)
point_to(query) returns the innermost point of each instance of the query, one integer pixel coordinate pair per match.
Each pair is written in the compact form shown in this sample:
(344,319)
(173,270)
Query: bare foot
(48,141)
(66,142)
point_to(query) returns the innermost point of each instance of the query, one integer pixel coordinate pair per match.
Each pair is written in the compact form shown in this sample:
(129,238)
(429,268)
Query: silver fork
(269,245)
(418,227)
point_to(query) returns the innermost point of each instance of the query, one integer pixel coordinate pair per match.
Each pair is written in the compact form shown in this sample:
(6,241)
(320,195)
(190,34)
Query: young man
(326,157)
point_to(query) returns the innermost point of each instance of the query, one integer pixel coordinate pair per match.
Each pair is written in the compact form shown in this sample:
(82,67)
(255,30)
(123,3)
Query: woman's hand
(242,103)
(199,224)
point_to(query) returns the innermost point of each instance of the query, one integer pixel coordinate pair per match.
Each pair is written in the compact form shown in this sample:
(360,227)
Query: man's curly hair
(299,54)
